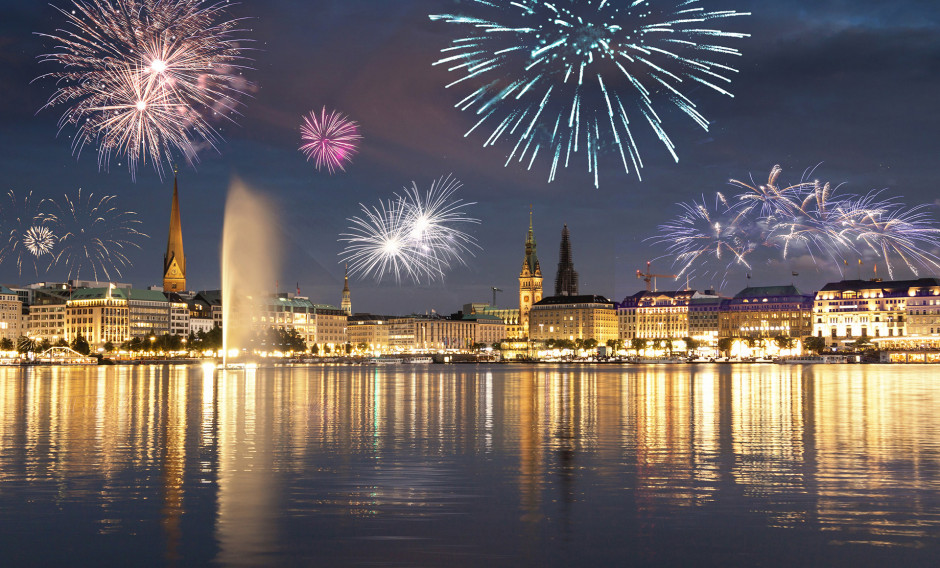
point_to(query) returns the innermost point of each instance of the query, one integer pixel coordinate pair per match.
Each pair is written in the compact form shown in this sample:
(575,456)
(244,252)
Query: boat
(383,361)
(419,361)
(659,360)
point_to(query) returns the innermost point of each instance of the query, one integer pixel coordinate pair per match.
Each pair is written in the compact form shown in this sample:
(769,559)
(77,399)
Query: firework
(25,234)
(808,218)
(142,79)
(329,140)
(39,240)
(701,232)
(561,78)
(93,234)
(414,234)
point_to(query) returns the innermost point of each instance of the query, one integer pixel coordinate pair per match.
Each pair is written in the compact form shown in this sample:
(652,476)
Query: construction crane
(495,289)
(649,276)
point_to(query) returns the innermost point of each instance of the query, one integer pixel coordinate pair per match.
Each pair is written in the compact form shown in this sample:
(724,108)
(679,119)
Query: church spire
(566,279)
(346,304)
(174,261)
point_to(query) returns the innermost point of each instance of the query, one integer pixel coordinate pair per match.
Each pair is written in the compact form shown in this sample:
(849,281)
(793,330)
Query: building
(11,314)
(368,332)
(704,319)
(179,315)
(488,329)
(530,280)
(437,333)
(626,318)
(99,315)
(47,314)
(851,309)
(764,312)
(923,312)
(174,261)
(148,313)
(331,326)
(663,315)
(509,317)
(566,279)
(573,317)
(346,303)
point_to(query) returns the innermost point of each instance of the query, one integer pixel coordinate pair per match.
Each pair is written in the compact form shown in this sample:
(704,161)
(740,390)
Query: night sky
(850,84)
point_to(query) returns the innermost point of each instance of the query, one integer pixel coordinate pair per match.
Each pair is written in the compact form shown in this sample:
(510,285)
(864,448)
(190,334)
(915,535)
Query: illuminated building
(330,325)
(487,328)
(663,315)
(369,332)
(763,312)
(100,315)
(530,280)
(704,319)
(179,315)
(847,310)
(148,313)
(11,314)
(573,317)
(174,261)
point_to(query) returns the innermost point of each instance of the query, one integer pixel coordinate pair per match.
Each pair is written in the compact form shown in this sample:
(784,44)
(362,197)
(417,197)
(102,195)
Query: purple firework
(329,139)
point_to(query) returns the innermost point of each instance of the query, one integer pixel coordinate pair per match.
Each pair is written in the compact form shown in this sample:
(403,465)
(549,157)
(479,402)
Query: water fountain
(250,263)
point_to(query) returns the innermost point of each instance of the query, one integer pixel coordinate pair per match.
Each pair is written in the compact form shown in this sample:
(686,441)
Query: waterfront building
(487,328)
(174,261)
(11,314)
(573,317)
(626,318)
(663,315)
(179,314)
(509,317)
(847,310)
(704,319)
(331,326)
(437,333)
(210,302)
(100,315)
(148,313)
(530,280)
(346,303)
(369,332)
(401,333)
(566,279)
(923,310)
(763,312)
(47,314)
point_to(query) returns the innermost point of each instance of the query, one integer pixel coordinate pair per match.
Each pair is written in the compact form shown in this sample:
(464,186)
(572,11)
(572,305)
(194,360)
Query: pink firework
(329,139)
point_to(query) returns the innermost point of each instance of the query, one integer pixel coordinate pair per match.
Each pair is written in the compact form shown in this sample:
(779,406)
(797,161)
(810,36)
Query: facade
(100,315)
(626,318)
(331,326)
(923,312)
(148,313)
(174,261)
(573,317)
(179,315)
(530,280)
(704,319)
(663,315)
(487,329)
(566,279)
(850,309)
(369,332)
(11,314)
(443,334)
(763,312)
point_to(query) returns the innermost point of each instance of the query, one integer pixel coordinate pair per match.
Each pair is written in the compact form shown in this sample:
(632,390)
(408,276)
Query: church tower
(530,280)
(346,304)
(566,280)
(174,261)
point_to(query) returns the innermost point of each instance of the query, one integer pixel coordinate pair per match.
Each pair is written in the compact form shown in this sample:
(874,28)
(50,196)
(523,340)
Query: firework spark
(22,219)
(329,140)
(94,235)
(414,234)
(808,218)
(559,78)
(143,79)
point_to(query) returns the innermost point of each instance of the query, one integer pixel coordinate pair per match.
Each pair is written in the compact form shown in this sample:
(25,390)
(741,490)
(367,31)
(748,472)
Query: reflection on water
(508,465)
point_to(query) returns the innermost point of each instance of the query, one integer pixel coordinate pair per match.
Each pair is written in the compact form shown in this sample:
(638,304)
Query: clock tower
(530,280)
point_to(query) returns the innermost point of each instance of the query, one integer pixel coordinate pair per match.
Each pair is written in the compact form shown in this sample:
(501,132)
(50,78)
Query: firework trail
(415,234)
(566,77)
(142,79)
(807,217)
(25,231)
(329,140)
(93,234)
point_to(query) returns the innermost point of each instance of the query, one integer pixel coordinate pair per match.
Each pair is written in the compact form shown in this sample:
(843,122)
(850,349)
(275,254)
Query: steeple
(174,261)
(346,304)
(530,280)
(566,280)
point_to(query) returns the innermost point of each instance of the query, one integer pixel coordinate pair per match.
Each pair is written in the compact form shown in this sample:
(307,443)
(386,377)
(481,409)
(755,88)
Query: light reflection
(796,447)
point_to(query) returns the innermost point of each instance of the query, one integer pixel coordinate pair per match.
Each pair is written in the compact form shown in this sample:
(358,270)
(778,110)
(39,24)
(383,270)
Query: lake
(470,465)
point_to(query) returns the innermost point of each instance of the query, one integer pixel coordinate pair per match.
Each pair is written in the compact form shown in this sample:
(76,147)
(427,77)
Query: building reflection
(226,457)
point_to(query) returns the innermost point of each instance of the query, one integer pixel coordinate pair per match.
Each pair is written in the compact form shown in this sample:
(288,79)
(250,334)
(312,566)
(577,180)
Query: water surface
(471,465)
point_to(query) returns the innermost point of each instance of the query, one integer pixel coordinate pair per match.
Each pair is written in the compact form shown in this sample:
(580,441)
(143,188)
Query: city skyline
(808,72)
